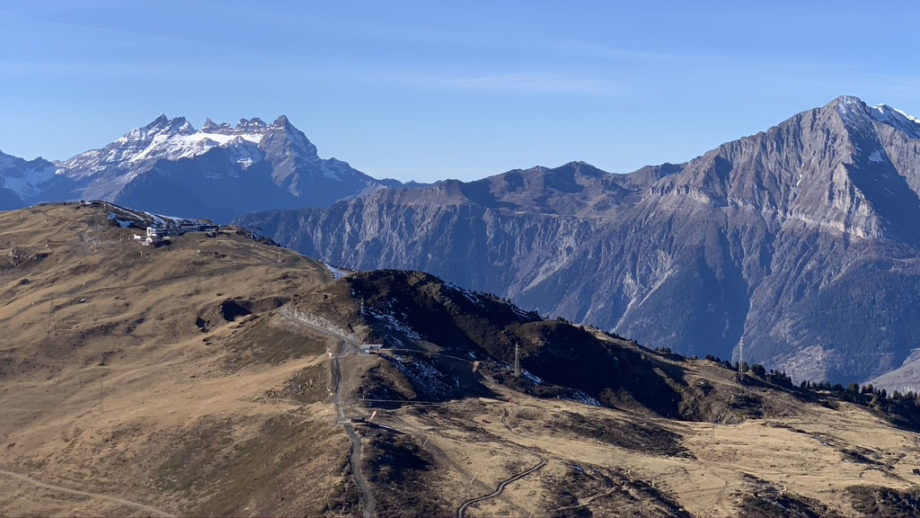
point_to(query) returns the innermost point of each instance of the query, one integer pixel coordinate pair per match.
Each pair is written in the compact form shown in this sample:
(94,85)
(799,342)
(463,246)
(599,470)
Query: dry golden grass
(808,453)
(110,387)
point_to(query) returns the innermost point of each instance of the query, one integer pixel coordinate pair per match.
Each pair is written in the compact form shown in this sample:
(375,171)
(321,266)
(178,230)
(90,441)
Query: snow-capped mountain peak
(170,139)
(898,119)
(24,177)
(860,117)
(177,139)
(169,165)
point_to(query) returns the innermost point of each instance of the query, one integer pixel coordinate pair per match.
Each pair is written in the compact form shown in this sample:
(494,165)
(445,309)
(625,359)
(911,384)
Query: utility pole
(517,360)
(741,359)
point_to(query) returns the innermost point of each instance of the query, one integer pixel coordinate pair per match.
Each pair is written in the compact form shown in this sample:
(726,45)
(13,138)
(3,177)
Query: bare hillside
(163,376)
(224,375)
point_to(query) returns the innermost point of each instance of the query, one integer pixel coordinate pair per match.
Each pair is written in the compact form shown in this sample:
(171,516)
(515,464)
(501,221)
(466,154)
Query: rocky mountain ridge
(799,241)
(22,179)
(219,171)
(775,240)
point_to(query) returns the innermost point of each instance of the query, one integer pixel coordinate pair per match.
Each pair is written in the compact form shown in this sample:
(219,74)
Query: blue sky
(429,90)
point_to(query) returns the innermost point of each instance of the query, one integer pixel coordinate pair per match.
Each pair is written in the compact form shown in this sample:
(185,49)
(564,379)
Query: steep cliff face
(799,242)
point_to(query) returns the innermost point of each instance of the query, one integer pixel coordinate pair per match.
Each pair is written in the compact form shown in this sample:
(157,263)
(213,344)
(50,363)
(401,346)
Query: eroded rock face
(801,241)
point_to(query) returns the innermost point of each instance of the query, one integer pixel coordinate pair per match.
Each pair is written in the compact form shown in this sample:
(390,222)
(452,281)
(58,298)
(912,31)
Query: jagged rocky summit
(219,171)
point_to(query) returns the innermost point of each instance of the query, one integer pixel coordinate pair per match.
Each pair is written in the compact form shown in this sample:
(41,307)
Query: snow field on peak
(28,184)
(897,119)
(883,109)
(175,147)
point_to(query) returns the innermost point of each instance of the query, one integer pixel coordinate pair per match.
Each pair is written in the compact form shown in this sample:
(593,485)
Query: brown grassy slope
(678,436)
(798,459)
(136,371)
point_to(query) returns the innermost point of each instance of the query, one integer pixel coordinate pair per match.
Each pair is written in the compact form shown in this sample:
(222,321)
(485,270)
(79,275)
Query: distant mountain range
(801,243)
(219,171)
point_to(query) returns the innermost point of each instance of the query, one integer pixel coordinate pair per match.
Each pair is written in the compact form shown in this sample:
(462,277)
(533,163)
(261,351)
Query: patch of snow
(425,378)
(468,295)
(886,113)
(244,153)
(336,272)
(123,223)
(897,119)
(855,114)
(533,378)
(583,398)
(876,156)
(131,213)
(161,220)
(391,323)
(223,139)
(28,184)
(169,140)
(176,147)
(848,105)
(519,312)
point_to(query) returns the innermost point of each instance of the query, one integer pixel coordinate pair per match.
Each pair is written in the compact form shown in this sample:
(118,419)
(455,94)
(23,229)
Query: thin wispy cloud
(596,50)
(521,83)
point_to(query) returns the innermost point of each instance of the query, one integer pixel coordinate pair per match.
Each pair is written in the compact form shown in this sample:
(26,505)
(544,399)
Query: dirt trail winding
(346,346)
(152,510)
(499,489)
(366,492)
